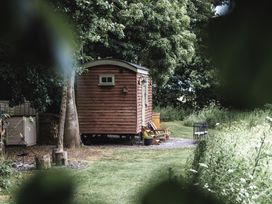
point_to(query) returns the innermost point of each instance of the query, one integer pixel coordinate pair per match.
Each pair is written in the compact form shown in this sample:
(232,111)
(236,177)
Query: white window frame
(101,83)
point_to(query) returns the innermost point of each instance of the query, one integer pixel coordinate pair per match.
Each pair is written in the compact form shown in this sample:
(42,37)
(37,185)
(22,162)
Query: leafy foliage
(239,44)
(5,174)
(170,113)
(36,83)
(195,80)
(30,47)
(155,34)
(236,163)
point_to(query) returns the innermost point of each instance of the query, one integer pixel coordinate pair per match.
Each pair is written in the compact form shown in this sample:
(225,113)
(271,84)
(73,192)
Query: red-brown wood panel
(106,109)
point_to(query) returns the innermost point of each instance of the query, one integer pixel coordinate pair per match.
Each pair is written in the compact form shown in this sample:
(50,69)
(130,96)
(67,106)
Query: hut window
(106,80)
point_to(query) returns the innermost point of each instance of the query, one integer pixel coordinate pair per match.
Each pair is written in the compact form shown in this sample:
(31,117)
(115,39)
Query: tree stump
(60,157)
(43,162)
(54,154)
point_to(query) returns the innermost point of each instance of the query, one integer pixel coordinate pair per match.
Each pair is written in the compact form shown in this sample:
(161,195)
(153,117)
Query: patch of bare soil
(23,158)
(15,153)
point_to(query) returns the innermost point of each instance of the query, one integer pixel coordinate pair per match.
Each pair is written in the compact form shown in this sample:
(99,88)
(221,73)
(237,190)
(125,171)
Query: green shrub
(170,113)
(5,174)
(211,115)
(236,165)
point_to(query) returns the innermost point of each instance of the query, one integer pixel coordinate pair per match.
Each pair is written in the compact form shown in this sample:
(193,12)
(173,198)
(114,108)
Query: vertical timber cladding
(149,108)
(148,105)
(107,109)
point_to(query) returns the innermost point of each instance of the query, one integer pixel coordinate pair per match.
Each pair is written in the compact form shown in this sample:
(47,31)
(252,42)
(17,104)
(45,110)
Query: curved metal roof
(128,65)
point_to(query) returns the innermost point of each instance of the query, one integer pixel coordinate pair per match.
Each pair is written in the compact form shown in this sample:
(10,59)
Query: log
(43,162)
(60,158)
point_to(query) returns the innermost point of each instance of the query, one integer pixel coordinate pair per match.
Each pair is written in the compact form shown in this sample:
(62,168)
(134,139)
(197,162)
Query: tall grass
(236,161)
(170,113)
(215,115)
(212,115)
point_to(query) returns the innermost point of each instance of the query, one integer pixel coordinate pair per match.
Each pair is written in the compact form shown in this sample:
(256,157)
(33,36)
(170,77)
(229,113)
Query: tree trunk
(71,129)
(68,124)
(62,116)
(2,144)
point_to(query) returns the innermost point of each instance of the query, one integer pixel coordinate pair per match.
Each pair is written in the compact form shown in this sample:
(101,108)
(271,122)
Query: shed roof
(121,63)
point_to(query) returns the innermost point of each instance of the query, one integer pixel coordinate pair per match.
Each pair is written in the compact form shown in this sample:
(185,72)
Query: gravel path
(173,143)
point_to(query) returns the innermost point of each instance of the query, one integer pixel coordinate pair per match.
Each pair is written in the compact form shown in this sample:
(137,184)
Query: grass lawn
(177,129)
(119,178)
(120,173)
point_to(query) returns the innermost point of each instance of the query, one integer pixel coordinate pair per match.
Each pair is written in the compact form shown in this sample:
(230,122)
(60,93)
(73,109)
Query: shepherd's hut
(113,97)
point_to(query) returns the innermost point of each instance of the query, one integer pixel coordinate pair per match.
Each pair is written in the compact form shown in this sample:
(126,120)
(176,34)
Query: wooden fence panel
(24,109)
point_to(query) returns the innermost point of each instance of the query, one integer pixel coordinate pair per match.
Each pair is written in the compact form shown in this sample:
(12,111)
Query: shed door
(144,99)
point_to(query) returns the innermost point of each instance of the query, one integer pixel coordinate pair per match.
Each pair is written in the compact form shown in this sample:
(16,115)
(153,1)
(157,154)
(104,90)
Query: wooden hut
(113,97)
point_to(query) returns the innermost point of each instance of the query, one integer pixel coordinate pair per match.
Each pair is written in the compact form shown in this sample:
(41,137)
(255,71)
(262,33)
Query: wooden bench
(200,130)
(161,133)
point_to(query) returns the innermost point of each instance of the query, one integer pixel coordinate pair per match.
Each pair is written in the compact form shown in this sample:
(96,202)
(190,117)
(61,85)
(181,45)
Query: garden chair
(199,130)
(161,133)
(148,135)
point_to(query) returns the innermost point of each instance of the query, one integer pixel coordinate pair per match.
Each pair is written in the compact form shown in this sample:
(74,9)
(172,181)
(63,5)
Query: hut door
(144,100)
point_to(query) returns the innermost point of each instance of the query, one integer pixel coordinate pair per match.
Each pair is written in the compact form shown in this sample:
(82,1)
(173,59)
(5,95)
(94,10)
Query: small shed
(114,97)
(21,125)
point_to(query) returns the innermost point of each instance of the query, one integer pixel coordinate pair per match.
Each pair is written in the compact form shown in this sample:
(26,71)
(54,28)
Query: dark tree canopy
(165,36)
(153,33)
(28,56)
(240,44)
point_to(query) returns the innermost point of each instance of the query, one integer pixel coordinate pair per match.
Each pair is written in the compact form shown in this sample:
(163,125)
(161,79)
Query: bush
(170,113)
(211,115)
(5,174)
(54,186)
(236,165)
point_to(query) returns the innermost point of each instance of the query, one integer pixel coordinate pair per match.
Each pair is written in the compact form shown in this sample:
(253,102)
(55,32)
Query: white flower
(192,170)
(182,99)
(212,191)
(242,180)
(203,165)
(268,119)
(252,187)
(230,170)
(217,124)
(254,197)
(196,184)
